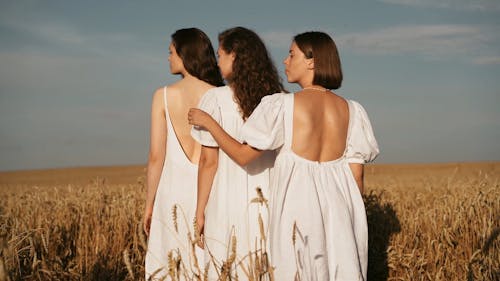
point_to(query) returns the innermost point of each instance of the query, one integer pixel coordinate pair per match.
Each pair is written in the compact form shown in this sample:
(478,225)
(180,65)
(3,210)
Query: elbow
(207,164)
(246,155)
(155,158)
(242,161)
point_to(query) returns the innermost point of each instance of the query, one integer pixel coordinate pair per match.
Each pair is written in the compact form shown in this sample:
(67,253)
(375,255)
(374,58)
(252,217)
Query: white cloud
(473,5)
(432,41)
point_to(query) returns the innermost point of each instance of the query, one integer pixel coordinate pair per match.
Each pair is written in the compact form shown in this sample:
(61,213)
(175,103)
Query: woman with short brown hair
(318,228)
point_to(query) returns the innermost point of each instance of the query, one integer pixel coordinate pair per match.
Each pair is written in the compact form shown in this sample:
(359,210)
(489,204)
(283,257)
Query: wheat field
(426,222)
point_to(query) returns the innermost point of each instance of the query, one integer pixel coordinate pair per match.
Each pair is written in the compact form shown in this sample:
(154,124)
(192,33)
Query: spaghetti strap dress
(229,211)
(177,190)
(318,227)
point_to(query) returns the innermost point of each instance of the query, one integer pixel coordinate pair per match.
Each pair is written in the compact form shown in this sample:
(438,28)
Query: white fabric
(321,198)
(178,185)
(233,187)
(361,146)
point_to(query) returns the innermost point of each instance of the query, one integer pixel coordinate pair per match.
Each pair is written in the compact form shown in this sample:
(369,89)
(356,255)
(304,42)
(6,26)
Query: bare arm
(357,171)
(240,153)
(207,167)
(156,157)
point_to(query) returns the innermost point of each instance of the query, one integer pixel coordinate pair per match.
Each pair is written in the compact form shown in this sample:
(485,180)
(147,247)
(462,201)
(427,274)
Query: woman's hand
(200,227)
(198,117)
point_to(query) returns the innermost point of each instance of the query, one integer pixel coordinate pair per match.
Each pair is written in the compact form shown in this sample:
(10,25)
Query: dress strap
(288,116)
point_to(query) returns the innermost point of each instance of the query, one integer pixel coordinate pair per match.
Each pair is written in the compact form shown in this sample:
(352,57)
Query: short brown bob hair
(321,47)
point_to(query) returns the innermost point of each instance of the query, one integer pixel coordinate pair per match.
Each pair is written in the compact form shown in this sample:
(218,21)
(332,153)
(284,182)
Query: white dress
(177,186)
(229,208)
(317,204)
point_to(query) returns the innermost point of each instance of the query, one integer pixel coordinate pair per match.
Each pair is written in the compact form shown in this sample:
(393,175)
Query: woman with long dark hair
(174,154)
(225,189)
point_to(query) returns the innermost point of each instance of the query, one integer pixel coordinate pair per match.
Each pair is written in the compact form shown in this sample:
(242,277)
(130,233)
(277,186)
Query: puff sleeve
(264,129)
(208,103)
(362,146)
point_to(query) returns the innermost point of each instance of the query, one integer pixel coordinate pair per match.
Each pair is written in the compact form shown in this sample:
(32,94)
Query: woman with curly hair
(173,154)
(226,189)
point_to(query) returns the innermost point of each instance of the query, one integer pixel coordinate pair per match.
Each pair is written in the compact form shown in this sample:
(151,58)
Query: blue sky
(77,77)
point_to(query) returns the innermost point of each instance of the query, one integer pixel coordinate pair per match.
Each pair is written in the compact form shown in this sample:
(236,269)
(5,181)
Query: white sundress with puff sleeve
(229,209)
(318,227)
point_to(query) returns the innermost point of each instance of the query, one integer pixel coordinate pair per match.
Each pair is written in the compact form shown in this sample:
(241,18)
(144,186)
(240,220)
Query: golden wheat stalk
(425,221)
(126,260)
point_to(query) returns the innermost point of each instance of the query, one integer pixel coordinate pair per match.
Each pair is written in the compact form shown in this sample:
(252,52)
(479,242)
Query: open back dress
(318,227)
(177,188)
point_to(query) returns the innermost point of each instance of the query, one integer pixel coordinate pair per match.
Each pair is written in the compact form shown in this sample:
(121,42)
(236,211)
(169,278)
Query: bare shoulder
(158,93)
(169,89)
(158,99)
(175,87)
(337,102)
(336,98)
(206,87)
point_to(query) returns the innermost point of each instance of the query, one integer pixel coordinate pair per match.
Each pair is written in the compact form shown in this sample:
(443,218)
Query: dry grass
(426,222)
(434,222)
(70,231)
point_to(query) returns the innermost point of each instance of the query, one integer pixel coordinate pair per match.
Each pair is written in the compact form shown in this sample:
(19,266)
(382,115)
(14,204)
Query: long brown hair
(321,47)
(194,48)
(253,73)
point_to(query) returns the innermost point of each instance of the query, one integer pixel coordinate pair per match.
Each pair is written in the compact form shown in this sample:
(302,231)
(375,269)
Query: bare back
(182,96)
(320,124)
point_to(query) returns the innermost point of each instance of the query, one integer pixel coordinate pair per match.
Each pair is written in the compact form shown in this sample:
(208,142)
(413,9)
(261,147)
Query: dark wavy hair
(194,48)
(253,73)
(321,47)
